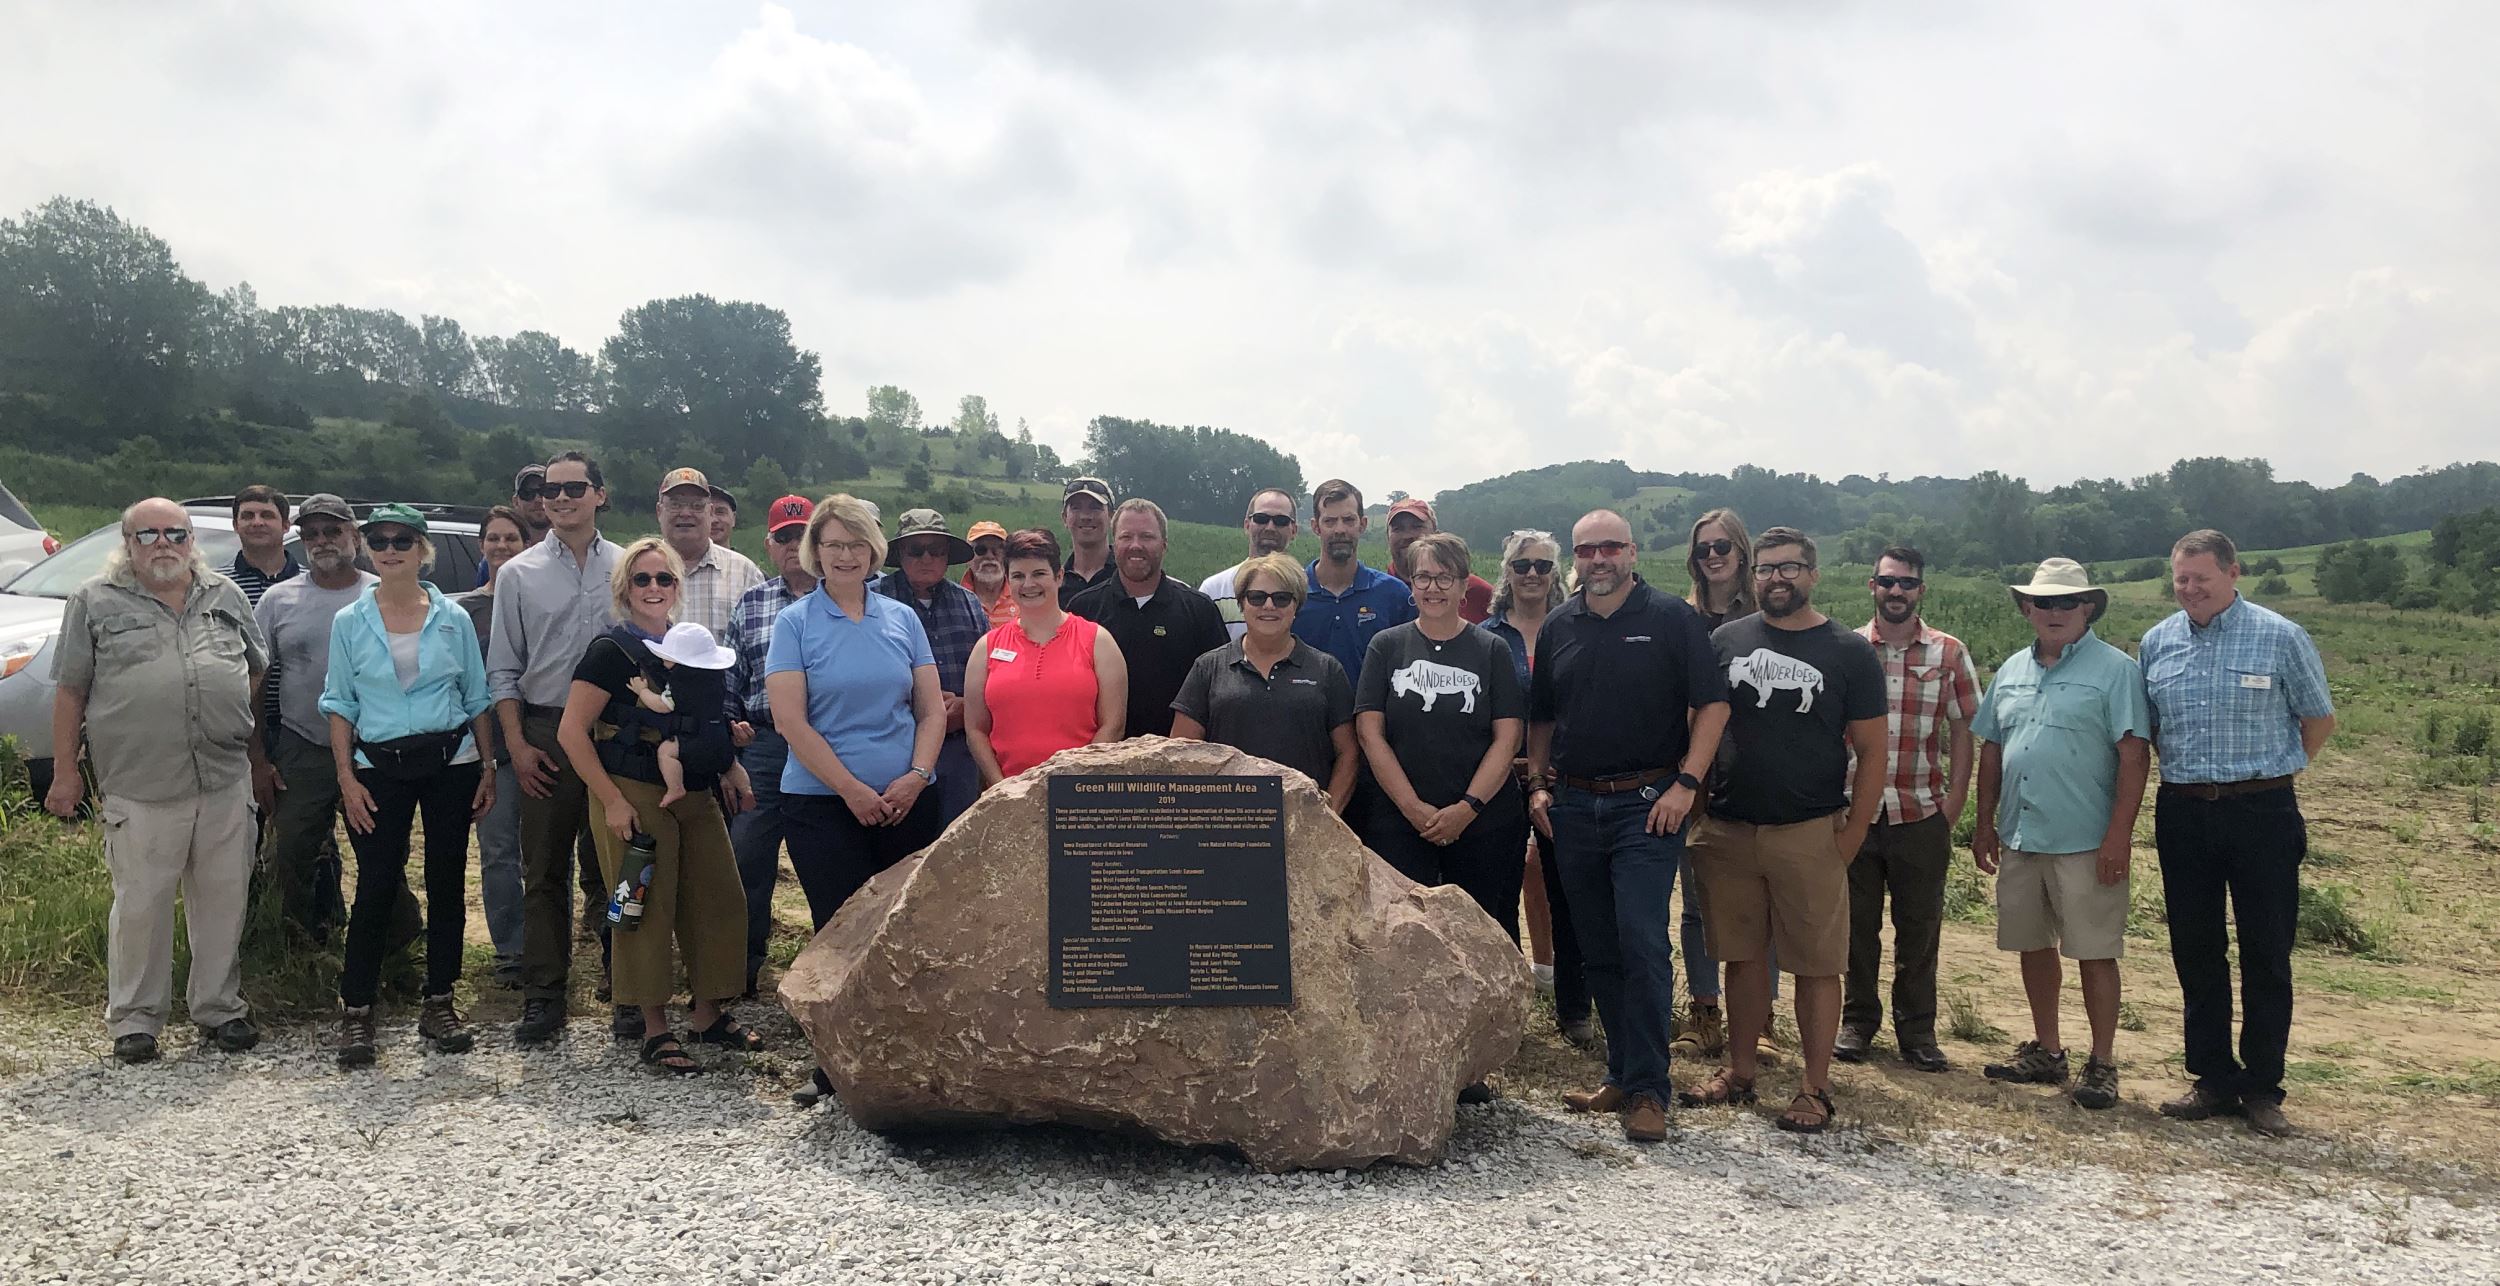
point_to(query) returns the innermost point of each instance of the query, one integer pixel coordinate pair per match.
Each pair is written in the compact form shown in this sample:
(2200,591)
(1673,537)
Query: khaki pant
(695,899)
(201,846)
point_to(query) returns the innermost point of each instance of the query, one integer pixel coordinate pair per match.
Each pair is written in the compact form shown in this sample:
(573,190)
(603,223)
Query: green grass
(2330,918)
(2311,1072)
(1964,1022)
(2368,983)
(2480,1078)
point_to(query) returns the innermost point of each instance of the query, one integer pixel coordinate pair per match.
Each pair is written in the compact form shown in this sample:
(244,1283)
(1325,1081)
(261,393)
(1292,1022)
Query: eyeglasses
(399,544)
(1719,548)
(686,504)
(1435,580)
(169,535)
(1785,571)
(1269,597)
(789,535)
(1272,520)
(1532,566)
(2060,603)
(1898,582)
(574,490)
(645,580)
(851,547)
(1600,548)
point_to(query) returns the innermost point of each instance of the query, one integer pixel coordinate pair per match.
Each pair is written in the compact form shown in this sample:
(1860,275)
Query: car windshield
(84,557)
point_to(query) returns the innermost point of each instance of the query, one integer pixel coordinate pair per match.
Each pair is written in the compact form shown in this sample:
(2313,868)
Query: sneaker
(2266,1118)
(439,1023)
(2200,1103)
(234,1035)
(818,1088)
(2030,1065)
(135,1048)
(1702,1034)
(357,1039)
(1851,1045)
(542,1020)
(2099,1087)
(1926,1057)
(1645,1118)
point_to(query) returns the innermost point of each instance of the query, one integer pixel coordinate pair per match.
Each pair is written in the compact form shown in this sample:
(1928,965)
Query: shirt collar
(1236,654)
(287,566)
(867,606)
(2223,620)
(1927,635)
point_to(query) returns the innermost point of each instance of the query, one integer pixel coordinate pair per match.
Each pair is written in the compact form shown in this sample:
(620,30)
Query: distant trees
(93,309)
(722,372)
(1197,474)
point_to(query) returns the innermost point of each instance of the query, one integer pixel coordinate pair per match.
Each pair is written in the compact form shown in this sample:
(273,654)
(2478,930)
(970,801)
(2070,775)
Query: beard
(1783,601)
(1339,550)
(1267,540)
(162,571)
(991,578)
(1896,610)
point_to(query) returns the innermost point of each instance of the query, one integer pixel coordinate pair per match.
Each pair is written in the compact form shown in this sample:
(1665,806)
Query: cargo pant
(200,847)
(554,842)
(694,902)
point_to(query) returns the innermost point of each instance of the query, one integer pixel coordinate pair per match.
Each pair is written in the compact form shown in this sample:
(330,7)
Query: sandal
(1808,1113)
(665,1054)
(726,1030)
(1723,1089)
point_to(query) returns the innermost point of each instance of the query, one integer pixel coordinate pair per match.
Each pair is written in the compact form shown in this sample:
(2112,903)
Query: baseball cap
(984,529)
(1094,487)
(722,495)
(1419,508)
(322,504)
(676,478)
(404,515)
(787,512)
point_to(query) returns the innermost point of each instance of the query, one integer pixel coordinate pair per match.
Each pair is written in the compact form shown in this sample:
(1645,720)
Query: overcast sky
(1415,244)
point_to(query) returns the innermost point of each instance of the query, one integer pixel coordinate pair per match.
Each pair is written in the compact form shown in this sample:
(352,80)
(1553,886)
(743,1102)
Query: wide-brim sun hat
(689,644)
(2060,577)
(926,522)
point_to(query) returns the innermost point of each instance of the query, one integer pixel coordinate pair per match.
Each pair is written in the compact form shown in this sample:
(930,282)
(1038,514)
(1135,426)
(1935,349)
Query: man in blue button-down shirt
(2240,707)
(1349,602)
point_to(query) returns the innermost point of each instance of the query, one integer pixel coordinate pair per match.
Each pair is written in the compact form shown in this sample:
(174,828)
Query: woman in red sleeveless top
(1044,681)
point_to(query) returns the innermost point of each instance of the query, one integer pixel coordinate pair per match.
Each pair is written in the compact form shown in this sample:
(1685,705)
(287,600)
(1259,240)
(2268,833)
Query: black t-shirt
(1791,696)
(607,666)
(1437,703)
(1159,639)
(1619,689)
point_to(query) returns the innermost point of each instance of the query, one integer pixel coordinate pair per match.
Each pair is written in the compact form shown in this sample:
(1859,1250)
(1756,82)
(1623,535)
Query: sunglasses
(2060,603)
(1600,548)
(569,490)
(645,580)
(1272,520)
(1897,582)
(169,535)
(1719,548)
(398,544)
(1785,571)
(1532,566)
(788,535)
(531,492)
(924,549)
(1270,597)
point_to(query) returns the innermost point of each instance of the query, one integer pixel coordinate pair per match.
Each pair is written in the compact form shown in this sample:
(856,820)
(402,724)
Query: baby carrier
(629,736)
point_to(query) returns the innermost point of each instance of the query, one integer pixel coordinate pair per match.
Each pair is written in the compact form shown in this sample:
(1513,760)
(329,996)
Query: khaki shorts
(2057,900)
(1783,885)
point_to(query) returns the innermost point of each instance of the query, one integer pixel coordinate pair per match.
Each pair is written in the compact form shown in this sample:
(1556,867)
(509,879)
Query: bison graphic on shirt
(1767,671)
(1430,679)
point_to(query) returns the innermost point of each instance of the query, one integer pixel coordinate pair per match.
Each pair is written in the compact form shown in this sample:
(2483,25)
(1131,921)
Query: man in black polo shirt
(1625,707)
(1161,625)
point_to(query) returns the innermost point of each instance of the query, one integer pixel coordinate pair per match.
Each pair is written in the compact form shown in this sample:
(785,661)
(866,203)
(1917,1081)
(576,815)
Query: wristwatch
(1688,782)
(927,776)
(1473,802)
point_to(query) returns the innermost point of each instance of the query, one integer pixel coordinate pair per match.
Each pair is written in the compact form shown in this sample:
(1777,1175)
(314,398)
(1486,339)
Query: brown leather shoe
(2267,1118)
(1645,1118)
(1605,1098)
(2199,1104)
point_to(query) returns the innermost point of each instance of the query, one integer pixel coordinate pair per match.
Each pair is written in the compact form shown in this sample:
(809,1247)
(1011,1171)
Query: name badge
(1002,654)
(2258,681)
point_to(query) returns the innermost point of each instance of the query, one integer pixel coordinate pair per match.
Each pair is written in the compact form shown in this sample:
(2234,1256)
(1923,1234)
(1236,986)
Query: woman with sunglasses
(1044,681)
(503,535)
(406,699)
(1270,693)
(1532,585)
(680,869)
(1720,563)
(1441,717)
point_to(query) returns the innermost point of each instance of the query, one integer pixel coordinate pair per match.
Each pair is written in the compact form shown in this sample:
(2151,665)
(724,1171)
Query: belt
(2210,790)
(529,711)
(1620,782)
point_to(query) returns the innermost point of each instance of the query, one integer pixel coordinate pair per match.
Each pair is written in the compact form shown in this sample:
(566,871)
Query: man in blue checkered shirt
(2240,707)
(923,549)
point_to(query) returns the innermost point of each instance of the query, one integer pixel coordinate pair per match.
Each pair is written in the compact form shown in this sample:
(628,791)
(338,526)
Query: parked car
(23,541)
(31,606)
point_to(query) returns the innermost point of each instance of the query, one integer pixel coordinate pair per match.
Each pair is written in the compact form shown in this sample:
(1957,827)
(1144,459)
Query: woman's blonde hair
(856,517)
(1279,567)
(1741,602)
(1516,545)
(621,581)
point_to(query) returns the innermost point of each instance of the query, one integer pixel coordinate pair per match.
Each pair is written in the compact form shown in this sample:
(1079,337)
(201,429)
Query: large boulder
(926,997)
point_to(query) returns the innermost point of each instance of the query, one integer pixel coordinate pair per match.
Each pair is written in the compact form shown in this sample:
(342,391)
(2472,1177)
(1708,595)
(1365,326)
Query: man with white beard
(302,795)
(157,663)
(987,576)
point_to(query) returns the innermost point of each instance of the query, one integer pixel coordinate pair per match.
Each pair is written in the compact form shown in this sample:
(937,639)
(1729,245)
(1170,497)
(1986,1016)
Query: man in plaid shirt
(922,550)
(757,835)
(1934,692)
(716,575)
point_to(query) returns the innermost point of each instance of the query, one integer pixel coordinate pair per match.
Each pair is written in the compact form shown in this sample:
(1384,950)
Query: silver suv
(31,606)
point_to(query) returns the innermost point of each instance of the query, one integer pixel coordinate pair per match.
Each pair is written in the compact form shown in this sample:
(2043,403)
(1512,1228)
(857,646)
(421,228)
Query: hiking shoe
(1581,1031)
(1851,1045)
(542,1020)
(234,1035)
(2267,1118)
(1926,1058)
(2030,1065)
(1773,1047)
(135,1048)
(357,1040)
(2099,1087)
(2200,1103)
(1702,1034)
(1645,1118)
(439,1023)
(1605,1098)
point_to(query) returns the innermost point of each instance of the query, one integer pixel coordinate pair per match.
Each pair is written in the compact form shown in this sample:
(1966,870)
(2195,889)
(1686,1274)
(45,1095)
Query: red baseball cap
(788,511)
(1419,508)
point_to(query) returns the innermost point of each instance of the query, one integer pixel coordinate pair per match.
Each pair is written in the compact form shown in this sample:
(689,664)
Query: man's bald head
(155,511)
(1600,524)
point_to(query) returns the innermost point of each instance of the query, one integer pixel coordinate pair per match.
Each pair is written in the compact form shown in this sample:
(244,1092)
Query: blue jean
(1620,881)
(499,865)
(756,836)
(958,778)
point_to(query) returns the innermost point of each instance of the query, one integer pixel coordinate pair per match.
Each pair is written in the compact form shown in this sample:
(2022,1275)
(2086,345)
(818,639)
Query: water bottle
(641,852)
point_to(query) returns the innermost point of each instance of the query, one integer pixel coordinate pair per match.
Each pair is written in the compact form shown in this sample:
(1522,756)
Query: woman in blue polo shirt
(407,701)
(854,688)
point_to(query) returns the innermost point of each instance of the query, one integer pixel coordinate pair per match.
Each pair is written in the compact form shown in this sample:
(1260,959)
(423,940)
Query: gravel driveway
(574,1166)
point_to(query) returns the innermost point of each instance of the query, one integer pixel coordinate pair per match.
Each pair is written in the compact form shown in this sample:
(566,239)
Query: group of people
(656,724)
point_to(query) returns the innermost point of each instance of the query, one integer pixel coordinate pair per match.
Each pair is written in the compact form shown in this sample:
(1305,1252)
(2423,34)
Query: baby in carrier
(694,679)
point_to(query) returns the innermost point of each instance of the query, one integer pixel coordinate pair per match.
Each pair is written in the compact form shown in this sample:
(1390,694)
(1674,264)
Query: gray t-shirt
(295,617)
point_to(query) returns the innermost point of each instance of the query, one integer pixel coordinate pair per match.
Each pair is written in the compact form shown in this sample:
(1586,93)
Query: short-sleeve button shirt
(859,684)
(141,665)
(2228,697)
(2060,727)
(1343,625)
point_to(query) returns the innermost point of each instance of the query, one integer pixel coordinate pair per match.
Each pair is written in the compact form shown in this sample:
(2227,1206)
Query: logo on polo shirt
(1637,638)
(1160,631)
